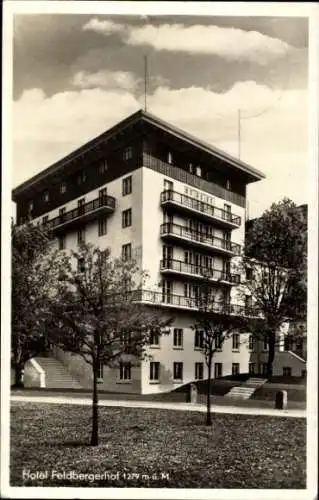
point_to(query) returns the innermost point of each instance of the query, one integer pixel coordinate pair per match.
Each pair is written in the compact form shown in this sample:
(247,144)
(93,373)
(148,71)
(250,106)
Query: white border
(309,10)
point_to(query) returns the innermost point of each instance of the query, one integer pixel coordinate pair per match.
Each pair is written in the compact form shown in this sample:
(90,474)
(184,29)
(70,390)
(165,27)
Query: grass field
(155,448)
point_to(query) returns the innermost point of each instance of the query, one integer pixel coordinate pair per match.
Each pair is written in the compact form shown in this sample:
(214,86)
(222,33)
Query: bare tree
(99,314)
(215,321)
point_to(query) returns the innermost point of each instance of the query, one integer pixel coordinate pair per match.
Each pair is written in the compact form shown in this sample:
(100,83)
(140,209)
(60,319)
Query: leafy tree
(216,320)
(99,317)
(35,273)
(275,271)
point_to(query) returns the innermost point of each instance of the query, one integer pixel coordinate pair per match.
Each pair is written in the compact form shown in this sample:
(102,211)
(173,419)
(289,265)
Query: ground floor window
(154,370)
(286,371)
(235,369)
(199,371)
(178,371)
(251,368)
(218,370)
(125,371)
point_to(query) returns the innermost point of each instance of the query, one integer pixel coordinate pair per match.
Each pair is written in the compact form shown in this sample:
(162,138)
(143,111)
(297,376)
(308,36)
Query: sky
(74,76)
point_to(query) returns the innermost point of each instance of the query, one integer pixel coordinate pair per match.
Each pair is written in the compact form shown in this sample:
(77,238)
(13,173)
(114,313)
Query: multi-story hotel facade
(147,190)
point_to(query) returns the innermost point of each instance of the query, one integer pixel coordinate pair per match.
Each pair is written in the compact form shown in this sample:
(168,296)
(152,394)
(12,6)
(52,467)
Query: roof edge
(131,119)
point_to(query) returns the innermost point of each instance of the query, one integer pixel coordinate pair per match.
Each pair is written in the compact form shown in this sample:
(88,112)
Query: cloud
(228,43)
(105,79)
(275,141)
(104,27)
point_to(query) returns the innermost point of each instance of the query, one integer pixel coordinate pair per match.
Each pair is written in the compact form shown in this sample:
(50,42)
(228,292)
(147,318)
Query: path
(162,406)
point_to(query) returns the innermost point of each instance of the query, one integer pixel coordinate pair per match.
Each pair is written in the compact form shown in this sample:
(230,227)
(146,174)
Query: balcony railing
(166,299)
(203,209)
(199,239)
(85,212)
(177,266)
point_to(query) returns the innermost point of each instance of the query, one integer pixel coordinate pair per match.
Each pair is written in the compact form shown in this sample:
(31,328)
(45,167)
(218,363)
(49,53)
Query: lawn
(155,448)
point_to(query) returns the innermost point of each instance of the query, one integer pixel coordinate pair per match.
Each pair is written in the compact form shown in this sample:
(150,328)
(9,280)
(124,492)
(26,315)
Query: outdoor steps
(56,374)
(246,390)
(240,392)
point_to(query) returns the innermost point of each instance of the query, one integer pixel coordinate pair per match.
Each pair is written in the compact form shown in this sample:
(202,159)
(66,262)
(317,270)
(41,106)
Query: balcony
(191,303)
(100,206)
(177,267)
(184,235)
(202,210)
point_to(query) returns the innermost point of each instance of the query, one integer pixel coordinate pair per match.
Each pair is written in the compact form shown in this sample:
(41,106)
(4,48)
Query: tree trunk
(95,410)
(271,356)
(208,414)
(18,376)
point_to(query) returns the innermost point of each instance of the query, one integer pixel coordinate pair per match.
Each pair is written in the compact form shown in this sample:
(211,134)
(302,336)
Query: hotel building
(150,191)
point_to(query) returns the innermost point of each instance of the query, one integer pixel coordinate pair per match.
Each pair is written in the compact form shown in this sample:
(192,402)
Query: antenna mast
(239,131)
(145,83)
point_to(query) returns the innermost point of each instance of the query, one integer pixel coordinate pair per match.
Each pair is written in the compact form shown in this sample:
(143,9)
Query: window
(81,235)
(154,370)
(198,171)
(103,167)
(102,193)
(127,218)
(30,206)
(248,302)
(263,369)
(81,204)
(167,253)
(235,369)
(286,371)
(249,274)
(167,291)
(251,342)
(154,337)
(235,341)
(128,153)
(168,185)
(125,337)
(199,371)
(287,343)
(190,168)
(218,341)
(227,212)
(178,371)
(251,368)
(199,339)
(178,337)
(45,219)
(63,187)
(102,226)
(62,244)
(100,370)
(61,214)
(81,178)
(228,185)
(81,265)
(45,196)
(265,344)
(127,186)
(218,370)
(125,371)
(304,373)
(127,251)
(169,158)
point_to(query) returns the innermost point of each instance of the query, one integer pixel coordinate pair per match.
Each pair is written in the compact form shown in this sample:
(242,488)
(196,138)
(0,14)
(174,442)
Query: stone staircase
(246,390)
(56,374)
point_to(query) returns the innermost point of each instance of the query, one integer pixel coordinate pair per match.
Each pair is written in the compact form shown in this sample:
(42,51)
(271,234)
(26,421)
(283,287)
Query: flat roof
(140,115)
